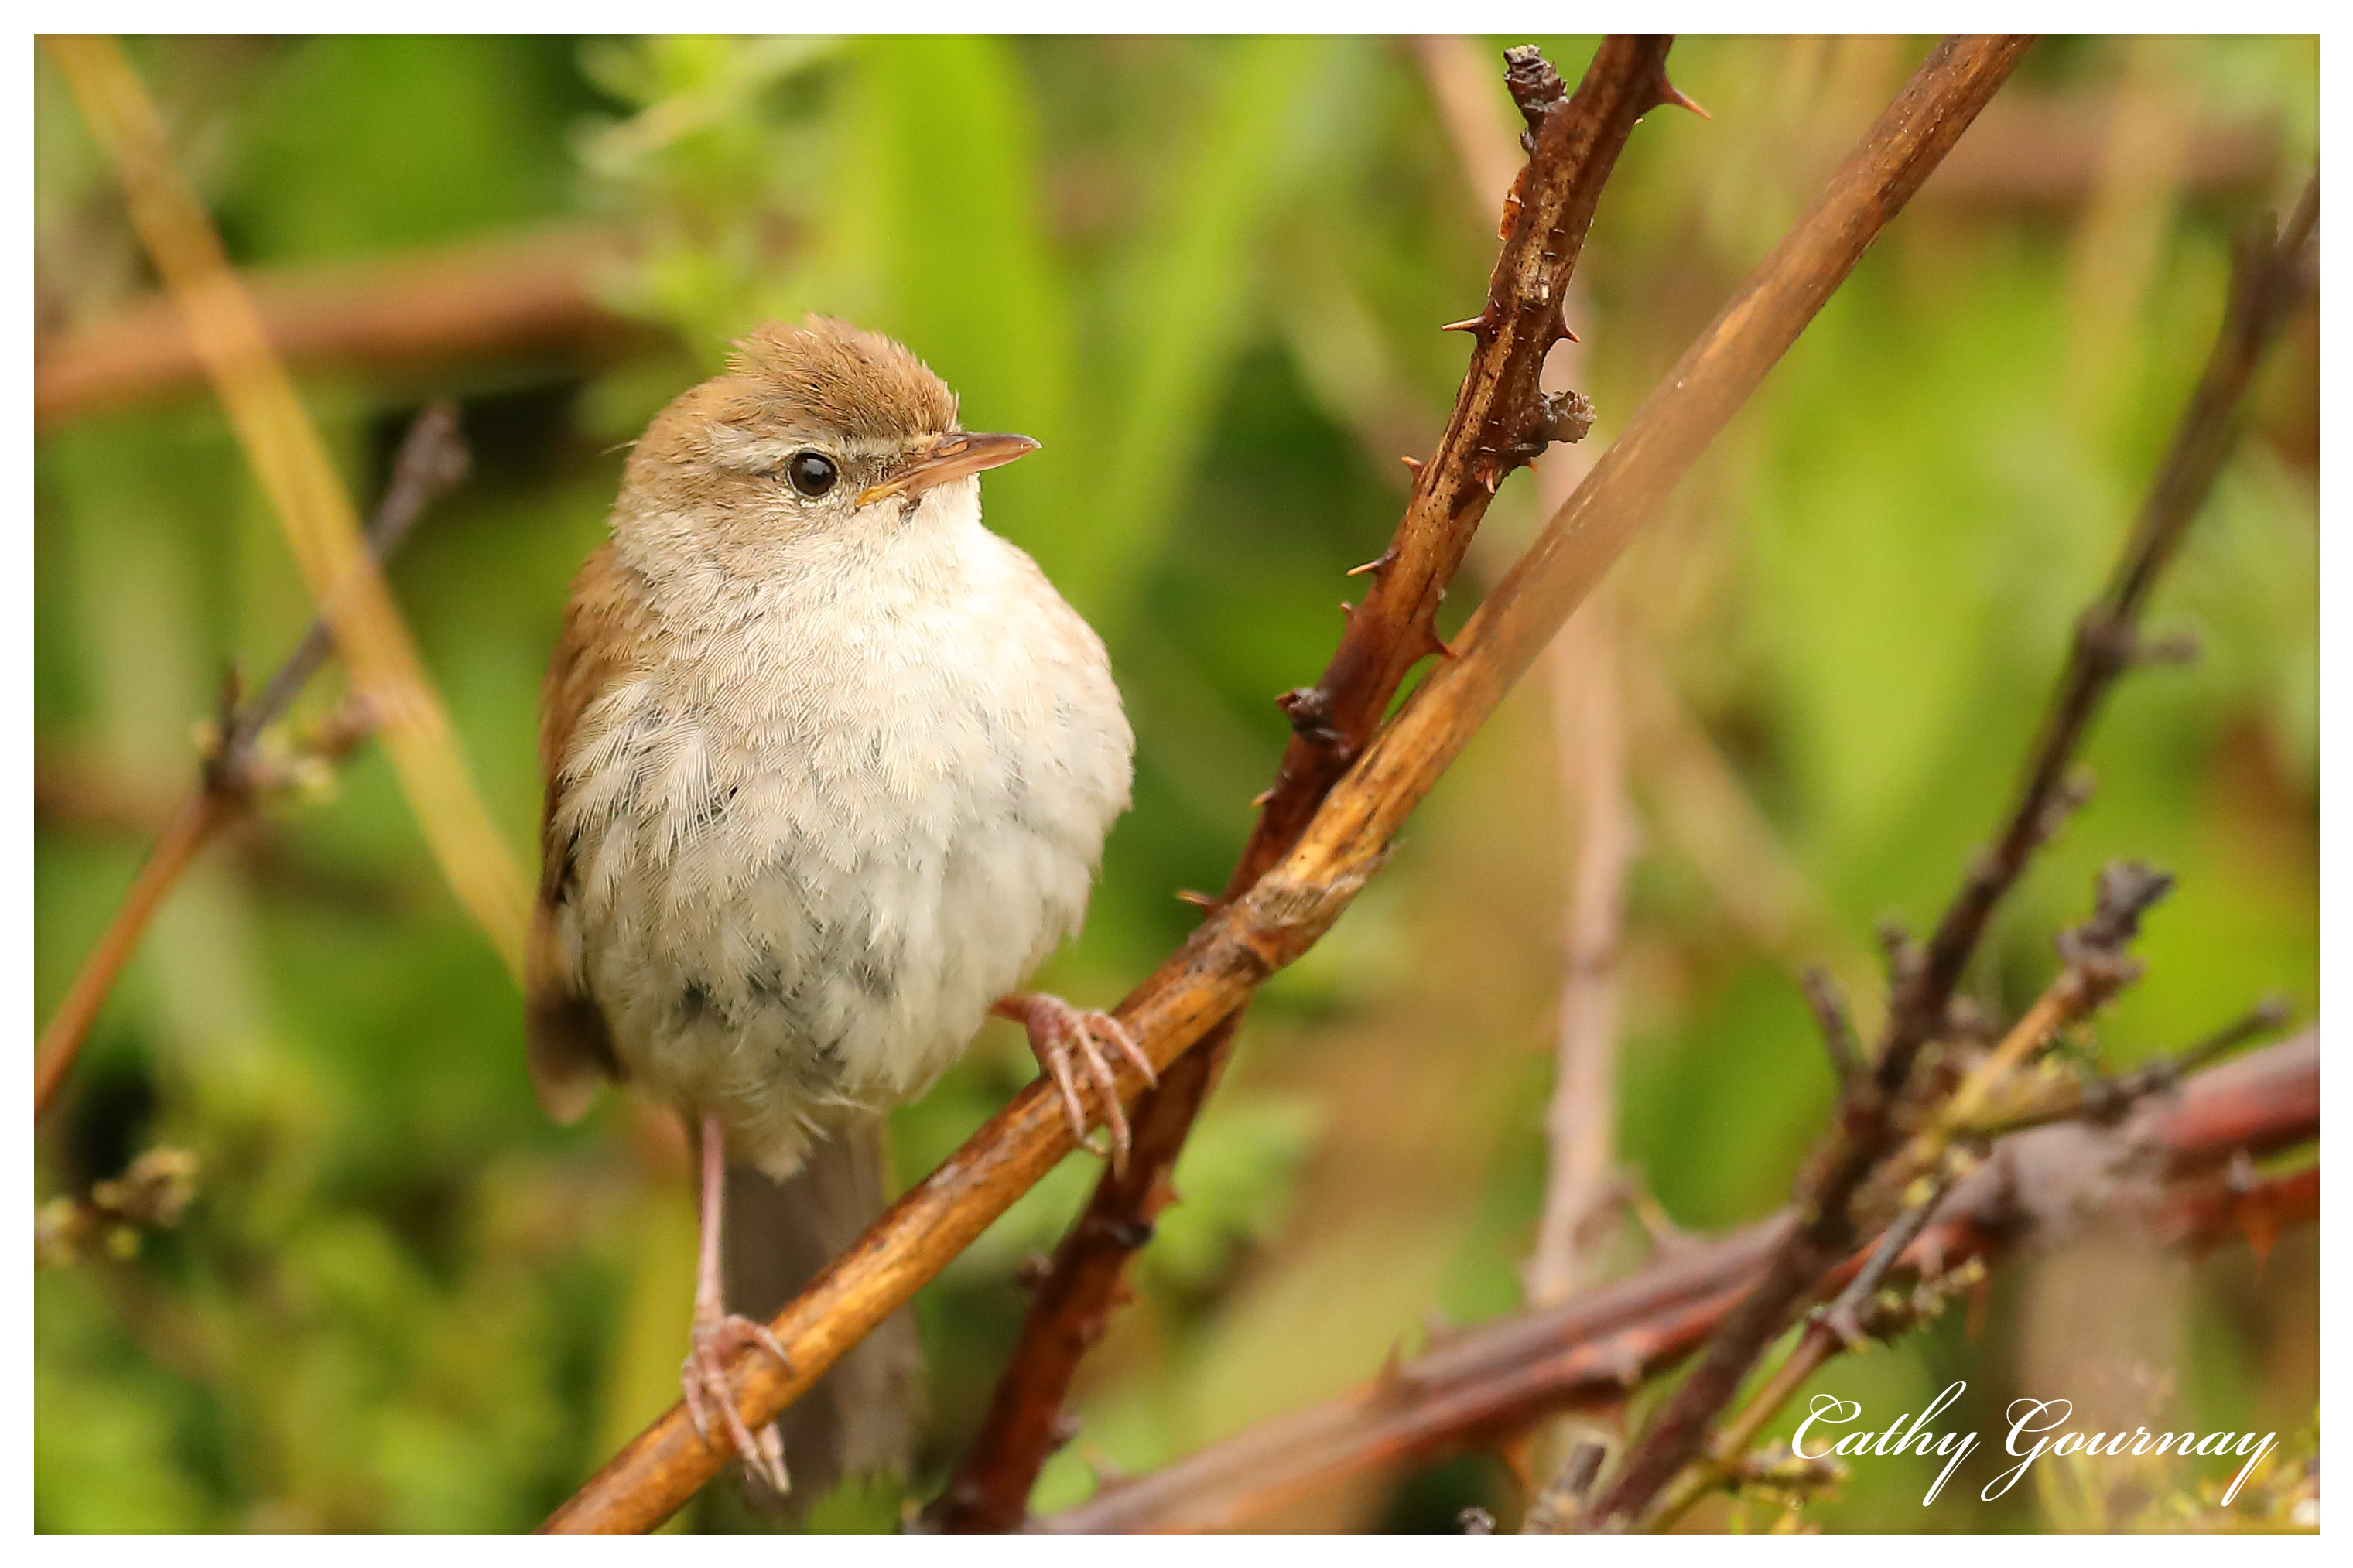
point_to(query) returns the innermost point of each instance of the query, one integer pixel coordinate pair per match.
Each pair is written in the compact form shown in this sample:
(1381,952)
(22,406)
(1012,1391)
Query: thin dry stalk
(1583,1186)
(312,508)
(1286,911)
(1591,735)
(432,460)
(2273,279)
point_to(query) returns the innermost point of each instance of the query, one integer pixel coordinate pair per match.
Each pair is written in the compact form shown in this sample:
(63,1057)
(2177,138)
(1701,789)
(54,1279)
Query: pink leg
(1060,1034)
(719,1333)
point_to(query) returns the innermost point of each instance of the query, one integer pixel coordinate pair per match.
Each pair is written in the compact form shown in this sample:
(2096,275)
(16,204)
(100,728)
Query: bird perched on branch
(828,769)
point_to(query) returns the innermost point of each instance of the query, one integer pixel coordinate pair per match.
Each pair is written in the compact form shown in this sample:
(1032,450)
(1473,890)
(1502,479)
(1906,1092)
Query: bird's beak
(951,457)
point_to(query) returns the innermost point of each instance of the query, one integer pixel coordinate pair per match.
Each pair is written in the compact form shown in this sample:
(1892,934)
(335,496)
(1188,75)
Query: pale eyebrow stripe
(732,448)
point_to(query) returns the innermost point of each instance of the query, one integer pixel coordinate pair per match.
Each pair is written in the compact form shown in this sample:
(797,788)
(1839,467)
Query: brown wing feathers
(570,1051)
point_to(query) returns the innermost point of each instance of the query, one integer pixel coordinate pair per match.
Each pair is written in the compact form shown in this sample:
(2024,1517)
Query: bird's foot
(1066,1040)
(707,1388)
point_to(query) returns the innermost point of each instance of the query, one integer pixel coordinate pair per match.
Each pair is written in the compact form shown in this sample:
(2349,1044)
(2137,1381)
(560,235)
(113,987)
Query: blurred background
(1207,274)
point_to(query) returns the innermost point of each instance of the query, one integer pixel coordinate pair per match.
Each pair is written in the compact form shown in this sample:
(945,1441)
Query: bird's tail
(862,1415)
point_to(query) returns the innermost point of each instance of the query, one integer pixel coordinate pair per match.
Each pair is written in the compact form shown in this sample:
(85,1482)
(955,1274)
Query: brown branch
(1499,423)
(2274,278)
(432,461)
(501,297)
(1485,1384)
(1284,911)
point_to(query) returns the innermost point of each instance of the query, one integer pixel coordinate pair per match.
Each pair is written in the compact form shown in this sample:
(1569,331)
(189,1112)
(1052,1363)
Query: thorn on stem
(1198,900)
(1378,562)
(1668,93)
(1413,466)
(1477,323)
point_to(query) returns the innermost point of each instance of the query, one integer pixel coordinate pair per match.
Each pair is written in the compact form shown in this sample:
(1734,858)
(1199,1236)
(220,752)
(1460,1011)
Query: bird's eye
(812,473)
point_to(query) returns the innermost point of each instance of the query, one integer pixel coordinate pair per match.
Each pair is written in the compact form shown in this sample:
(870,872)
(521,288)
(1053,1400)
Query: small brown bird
(828,769)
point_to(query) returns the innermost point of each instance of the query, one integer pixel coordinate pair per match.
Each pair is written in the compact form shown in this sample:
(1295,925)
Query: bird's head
(814,431)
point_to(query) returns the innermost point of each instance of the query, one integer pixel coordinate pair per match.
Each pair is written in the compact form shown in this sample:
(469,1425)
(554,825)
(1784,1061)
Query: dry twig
(1581,1179)
(2273,280)
(1284,911)
(236,773)
(1489,1382)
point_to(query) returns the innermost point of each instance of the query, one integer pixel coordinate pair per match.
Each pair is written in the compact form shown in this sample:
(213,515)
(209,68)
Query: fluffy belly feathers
(800,889)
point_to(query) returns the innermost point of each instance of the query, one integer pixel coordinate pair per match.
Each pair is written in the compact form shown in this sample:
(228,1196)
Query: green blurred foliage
(1205,273)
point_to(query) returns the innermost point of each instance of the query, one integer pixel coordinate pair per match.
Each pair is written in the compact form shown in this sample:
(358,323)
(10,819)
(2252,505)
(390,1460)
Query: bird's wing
(604,631)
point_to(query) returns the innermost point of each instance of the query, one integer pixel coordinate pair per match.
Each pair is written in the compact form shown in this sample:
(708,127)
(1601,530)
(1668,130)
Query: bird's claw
(1060,1035)
(706,1387)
